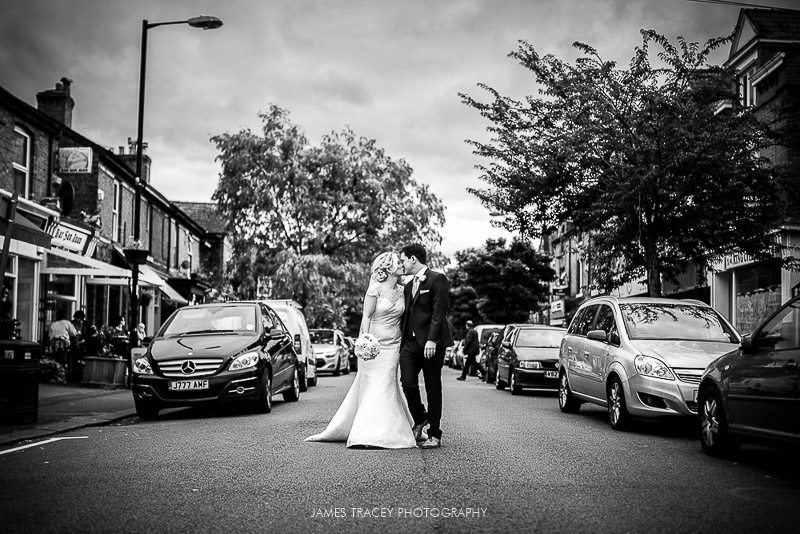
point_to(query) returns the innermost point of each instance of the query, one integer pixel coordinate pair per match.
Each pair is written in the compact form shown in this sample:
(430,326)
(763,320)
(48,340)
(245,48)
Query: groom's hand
(430,349)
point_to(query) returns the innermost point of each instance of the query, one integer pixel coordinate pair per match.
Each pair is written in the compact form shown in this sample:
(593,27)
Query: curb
(63,427)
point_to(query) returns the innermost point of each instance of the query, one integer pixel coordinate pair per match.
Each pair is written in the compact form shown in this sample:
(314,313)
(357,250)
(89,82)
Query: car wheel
(566,401)
(498,383)
(338,370)
(264,402)
(714,434)
(618,416)
(346,367)
(312,382)
(303,379)
(513,386)
(146,410)
(293,394)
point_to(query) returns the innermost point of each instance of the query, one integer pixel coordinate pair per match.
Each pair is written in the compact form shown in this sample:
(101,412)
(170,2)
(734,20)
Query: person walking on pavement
(471,350)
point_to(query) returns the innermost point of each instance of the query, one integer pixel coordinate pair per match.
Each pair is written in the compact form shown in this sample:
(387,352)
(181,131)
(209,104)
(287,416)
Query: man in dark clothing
(471,350)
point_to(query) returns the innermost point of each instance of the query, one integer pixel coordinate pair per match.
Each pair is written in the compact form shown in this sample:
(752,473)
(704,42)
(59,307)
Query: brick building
(75,212)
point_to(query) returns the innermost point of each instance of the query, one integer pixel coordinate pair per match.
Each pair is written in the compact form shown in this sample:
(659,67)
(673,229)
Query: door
(763,388)
(596,353)
(280,349)
(504,355)
(574,345)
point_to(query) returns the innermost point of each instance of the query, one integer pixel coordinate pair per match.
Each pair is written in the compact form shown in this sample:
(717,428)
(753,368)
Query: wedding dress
(374,412)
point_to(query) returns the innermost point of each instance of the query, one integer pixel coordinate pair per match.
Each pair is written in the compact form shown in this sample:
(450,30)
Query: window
(783,330)
(21,162)
(747,91)
(116,212)
(580,326)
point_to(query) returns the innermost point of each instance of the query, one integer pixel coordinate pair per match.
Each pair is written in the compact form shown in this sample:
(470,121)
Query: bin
(19,381)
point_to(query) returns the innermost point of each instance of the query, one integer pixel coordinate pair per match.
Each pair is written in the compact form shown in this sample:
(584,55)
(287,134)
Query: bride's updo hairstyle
(385,264)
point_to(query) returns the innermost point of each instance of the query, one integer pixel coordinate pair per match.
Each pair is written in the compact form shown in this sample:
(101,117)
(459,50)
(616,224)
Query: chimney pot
(57,103)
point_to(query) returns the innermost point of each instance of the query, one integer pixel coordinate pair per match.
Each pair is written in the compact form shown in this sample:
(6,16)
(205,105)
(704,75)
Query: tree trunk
(653,275)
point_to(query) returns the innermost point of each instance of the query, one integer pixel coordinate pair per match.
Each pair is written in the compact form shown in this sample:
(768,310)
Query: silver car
(640,356)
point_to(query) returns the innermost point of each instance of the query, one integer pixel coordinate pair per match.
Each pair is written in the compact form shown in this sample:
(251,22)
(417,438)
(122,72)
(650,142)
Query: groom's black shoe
(432,443)
(419,435)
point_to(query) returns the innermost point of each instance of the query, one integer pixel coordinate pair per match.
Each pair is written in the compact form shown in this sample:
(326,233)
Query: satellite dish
(66,194)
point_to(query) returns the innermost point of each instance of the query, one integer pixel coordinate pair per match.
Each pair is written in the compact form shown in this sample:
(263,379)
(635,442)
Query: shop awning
(24,229)
(59,261)
(150,276)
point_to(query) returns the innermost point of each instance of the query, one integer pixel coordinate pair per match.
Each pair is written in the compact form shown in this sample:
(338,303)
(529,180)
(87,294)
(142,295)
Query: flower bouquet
(367,347)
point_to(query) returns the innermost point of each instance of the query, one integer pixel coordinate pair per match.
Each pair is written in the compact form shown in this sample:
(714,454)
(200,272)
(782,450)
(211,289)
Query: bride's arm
(370,302)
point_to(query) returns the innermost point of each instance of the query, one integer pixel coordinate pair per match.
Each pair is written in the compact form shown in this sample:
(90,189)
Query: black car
(751,393)
(216,353)
(528,358)
(352,359)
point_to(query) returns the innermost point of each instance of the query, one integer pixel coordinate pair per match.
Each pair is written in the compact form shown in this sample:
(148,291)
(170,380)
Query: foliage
(641,159)
(508,281)
(323,208)
(52,371)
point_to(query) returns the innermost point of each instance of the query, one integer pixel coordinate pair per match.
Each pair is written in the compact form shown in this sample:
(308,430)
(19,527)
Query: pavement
(65,407)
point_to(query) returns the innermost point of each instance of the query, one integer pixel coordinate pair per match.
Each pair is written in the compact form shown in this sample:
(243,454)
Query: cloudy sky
(391,70)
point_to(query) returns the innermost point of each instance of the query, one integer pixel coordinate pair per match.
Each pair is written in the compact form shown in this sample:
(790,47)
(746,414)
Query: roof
(774,24)
(205,214)
(645,300)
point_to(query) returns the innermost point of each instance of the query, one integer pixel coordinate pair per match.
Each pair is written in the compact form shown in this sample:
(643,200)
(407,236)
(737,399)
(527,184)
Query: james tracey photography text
(397,512)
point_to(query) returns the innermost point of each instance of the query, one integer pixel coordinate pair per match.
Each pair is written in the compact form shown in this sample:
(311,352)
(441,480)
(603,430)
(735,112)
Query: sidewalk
(68,407)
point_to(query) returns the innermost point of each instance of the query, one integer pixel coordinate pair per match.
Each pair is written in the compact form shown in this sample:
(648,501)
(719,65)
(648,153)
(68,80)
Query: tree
(642,160)
(509,282)
(321,212)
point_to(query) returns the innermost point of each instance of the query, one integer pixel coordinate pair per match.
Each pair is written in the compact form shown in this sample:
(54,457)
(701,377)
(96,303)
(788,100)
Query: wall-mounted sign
(75,160)
(557,309)
(69,238)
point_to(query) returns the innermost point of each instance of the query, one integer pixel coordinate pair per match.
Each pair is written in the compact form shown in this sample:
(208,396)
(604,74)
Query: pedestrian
(471,350)
(62,334)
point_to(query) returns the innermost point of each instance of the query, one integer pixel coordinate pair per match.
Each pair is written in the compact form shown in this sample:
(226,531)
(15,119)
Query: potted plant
(136,253)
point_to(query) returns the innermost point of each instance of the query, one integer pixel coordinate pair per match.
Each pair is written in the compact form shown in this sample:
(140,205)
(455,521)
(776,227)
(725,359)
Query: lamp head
(205,22)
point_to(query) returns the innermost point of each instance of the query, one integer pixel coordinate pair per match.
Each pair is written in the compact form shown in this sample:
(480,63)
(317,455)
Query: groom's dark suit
(425,319)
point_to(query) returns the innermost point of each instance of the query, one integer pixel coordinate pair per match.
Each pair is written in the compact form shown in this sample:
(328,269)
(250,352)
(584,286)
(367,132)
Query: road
(508,463)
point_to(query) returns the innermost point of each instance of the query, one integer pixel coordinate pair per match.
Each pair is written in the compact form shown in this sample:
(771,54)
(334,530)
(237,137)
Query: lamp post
(138,257)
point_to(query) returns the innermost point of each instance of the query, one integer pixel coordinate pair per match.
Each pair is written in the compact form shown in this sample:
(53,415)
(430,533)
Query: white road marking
(40,443)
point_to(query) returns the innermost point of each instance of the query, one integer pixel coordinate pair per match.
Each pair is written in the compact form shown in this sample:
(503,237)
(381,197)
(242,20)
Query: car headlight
(530,365)
(142,366)
(649,366)
(245,361)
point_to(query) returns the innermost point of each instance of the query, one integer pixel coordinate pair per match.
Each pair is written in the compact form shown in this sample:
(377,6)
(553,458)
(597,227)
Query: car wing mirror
(507,344)
(275,333)
(597,335)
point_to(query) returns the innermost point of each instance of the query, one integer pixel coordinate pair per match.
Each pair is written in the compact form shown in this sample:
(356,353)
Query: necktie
(415,286)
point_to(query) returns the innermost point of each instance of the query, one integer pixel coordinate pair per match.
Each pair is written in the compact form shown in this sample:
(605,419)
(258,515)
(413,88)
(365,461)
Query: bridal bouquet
(367,347)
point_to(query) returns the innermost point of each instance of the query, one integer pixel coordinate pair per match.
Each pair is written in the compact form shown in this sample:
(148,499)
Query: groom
(426,336)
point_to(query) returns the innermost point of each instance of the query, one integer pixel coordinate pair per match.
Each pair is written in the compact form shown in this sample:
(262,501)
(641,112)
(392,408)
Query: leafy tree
(333,206)
(641,159)
(508,281)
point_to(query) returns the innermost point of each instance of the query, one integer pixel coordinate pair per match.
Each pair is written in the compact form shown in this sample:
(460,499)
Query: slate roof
(205,214)
(775,24)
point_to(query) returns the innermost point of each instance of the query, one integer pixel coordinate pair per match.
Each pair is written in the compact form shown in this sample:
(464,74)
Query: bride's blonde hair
(385,264)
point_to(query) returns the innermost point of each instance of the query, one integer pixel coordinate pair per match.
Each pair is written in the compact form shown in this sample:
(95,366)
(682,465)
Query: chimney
(56,103)
(130,158)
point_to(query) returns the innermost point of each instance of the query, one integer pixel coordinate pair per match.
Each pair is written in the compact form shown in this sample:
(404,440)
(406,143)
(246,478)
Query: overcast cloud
(390,70)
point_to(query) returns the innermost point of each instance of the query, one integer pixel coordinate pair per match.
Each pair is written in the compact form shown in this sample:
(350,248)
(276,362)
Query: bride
(374,412)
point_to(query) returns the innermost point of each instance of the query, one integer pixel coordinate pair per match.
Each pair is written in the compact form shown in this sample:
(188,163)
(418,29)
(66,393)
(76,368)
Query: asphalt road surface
(507,464)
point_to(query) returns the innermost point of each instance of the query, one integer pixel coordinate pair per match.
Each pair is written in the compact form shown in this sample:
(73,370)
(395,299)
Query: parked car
(352,359)
(528,358)
(290,312)
(640,356)
(330,350)
(751,393)
(489,337)
(216,353)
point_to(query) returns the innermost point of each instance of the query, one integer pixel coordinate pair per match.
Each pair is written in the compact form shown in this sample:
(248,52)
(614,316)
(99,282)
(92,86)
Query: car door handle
(790,365)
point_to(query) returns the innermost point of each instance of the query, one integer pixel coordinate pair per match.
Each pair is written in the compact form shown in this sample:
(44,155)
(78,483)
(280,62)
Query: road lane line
(40,443)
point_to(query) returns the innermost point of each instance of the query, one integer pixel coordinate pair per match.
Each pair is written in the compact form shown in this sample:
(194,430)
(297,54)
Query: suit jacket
(426,313)
(471,344)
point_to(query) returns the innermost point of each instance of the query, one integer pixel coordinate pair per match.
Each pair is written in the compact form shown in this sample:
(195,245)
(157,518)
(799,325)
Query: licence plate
(551,374)
(181,385)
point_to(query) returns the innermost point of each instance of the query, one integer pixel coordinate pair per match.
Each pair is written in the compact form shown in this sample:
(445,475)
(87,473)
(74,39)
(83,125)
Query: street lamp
(136,258)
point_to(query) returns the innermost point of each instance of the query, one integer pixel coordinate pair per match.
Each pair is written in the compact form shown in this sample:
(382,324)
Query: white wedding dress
(374,412)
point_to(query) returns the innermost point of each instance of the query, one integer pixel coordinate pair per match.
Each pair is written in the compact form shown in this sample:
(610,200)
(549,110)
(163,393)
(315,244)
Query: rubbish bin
(19,381)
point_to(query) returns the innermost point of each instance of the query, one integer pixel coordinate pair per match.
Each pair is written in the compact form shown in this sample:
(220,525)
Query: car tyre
(293,393)
(338,370)
(303,379)
(312,382)
(146,410)
(567,402)
(264,402)
(513,386)
(499,384)
(346,368)
(715,436)
(618,416)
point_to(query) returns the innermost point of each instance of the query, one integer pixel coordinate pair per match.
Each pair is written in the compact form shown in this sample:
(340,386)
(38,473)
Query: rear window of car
(213,319)
(486,334)
(322,337)
(539,338)
(675,322)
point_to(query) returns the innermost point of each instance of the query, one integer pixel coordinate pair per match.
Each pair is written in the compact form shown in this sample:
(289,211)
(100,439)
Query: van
(290,312)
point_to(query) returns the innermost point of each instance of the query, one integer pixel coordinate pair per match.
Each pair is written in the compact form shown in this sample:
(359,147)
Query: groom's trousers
(412,361)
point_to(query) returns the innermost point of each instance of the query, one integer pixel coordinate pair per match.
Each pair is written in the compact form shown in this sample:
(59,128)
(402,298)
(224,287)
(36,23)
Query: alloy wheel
(709,422)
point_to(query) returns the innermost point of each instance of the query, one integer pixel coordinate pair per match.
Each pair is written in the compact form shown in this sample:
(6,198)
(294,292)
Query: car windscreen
(675,322)
(486,334)
(539,338)
(321,337)
(210,320)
